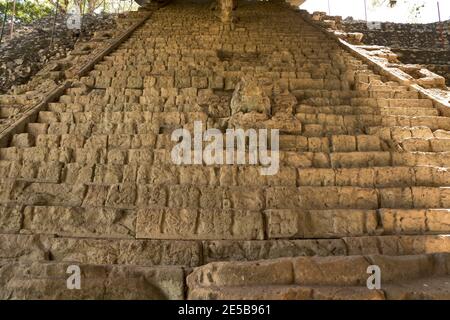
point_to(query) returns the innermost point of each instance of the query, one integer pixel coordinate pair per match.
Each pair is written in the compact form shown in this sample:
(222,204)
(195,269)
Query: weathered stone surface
(320,223)
(48,281)
(316,278)
(127,252)
(23,248)
(269,249)
(249,97)
(398,245)
(199,224)
(83,222)
(10,218)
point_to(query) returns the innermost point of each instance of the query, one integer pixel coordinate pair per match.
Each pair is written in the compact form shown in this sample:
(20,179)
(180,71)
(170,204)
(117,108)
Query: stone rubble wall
(426,44)
(29,50)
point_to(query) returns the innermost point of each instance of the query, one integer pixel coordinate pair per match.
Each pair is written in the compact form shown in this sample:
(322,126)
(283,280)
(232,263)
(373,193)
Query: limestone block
(81,222)
(396,245)
(394,177)
(438,220)
(318,144)
(10,218)
(316,177)
(396,221)
(37,128)
(429,176)
(368,143)
(76,173)
(269,249)
(440,145)
(338,223)
(183,196)
(47,281)
(396,198)
(250,176)
(135,82)
(400,268)
(122,195)
(415,144)
(250,293)
(199,224)
(22,140)
(284,177)
(282,198)
(48,117)
(343,143)
(102,82)
(425,197)
(363,177)
(72,141)
(267,272)
(48,140)
(49,172)
(15,247)
(149,195)
(359,159)
(331,271)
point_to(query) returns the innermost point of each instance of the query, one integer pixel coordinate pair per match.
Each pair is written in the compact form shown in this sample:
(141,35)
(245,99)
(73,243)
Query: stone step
(239,175)
(400,133)
(336,143)
(295,224)
(331,125)
(105,128)
(244,222)
(237,250)
(355,110)
(174,118)
(388,103)
(39,247)
(426,145)
(286,158)
(130,196)
(408,290)
(28,248)
(229,224)
(403,277)
(288,224)
(367,120)
(409,111)
(48,281)
(67,220)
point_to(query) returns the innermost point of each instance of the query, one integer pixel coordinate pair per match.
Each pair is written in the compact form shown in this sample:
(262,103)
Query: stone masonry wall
(427,44)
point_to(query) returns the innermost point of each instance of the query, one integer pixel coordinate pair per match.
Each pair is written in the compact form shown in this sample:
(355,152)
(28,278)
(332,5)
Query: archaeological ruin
(359,207)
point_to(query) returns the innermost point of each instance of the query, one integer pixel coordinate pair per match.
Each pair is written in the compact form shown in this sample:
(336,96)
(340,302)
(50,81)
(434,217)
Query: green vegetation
(25,10)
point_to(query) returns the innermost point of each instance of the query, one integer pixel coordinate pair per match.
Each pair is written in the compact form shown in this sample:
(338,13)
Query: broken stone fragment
(226,8)
(250,97)
(284,103)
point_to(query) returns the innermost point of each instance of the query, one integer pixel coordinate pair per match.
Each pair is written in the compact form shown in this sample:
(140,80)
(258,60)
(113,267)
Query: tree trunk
(13,16)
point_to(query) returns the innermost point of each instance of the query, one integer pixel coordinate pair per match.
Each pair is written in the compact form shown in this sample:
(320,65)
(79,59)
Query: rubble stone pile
(30,49)
(426,44)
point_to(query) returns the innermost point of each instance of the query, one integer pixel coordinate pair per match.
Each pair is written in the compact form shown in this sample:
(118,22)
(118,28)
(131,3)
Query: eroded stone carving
(250,97)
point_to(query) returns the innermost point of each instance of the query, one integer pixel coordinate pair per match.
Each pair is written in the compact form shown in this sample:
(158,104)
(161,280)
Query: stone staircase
(363,176)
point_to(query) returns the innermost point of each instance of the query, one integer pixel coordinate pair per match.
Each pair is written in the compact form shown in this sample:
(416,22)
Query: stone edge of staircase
(441,104)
